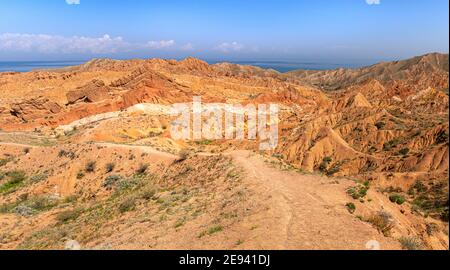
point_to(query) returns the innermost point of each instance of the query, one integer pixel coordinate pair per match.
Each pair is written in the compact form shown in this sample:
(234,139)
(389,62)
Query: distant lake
(33,65)
(280,66)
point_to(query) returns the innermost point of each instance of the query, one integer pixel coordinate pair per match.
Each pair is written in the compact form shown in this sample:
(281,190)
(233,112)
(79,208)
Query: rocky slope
(86,155)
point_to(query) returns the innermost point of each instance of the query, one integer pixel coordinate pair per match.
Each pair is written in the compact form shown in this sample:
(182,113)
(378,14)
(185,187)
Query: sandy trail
(145,149)
(311,211)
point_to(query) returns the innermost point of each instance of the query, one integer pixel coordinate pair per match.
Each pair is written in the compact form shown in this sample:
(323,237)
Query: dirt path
(146,149)
(310,210)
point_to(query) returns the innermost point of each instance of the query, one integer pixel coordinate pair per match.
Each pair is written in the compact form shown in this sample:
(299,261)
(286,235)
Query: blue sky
(338,31)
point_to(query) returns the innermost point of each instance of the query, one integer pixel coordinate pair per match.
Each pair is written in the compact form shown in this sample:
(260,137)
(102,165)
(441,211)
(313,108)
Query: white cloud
(59,44)
(187,47)
(373,2)
(230,47)
(161,44)
(73,2)
(53,44)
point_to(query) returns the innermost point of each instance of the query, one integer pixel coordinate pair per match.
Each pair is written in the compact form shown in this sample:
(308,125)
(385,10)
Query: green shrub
(325,162)
(403,152)
(215,229)
(380,125)
(5,161)
(68,215)
(184,154)
(90,166)
(111,180)
(396,198)
(390,144)
(38,178)
(16,179)
(42,203)
(80,175)
(383,222)
(142,169)
(442,137)
(110,167)
(351,207)
(148,194)
(411,243)
(358,192)
(127,205)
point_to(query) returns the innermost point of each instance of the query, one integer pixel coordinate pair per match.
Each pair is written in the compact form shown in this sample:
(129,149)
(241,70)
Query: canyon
(86,155)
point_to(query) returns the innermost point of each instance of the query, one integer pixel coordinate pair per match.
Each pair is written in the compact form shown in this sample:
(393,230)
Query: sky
(337,31)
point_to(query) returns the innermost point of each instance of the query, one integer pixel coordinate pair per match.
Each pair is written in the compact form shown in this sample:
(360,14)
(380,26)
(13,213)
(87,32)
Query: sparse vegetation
(211,231)
(68,215)
(184,154)
(127,205)
(390,144)
(411,243)
(431,200)
(68,154)
(380,125)
(351,207)
(398,199)
(142,168)
(80,175)
(442,137)
(383,222)
(5,161)
(110,167)
(359,191)
(403,152)
(111,181)
(16,178)
(325,163)
(90,166)
(38,178)
(203,142)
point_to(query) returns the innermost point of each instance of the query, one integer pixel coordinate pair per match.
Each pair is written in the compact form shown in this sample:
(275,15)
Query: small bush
(390,144)
(184,154)
(351,207)
(68,215)
(26,150)
(110,167)
(383,222)
(148,194)
(442,137)
(68,154)
(333,170)
(5,161)
(127,205)
(38,178)
(380,125)
(358,192)
(90,166)
(142,169)
(403,152)
(215,229)
(411,243)
(16,178)
(325,162)
(398,199)
(80,175)
(111,180)
(42,203)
